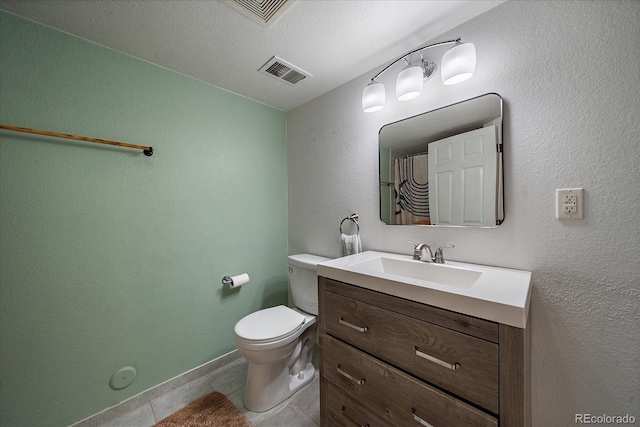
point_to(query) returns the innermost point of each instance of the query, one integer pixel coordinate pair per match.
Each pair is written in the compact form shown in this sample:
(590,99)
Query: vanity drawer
(387,394)
(462,364)
(342,410)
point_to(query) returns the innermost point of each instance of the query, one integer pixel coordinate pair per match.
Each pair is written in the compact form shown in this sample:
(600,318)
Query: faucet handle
(417,249)
(416,253)
(439,256)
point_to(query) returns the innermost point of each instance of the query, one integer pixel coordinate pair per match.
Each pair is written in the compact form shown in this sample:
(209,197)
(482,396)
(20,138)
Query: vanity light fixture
(409,82)
(458,65)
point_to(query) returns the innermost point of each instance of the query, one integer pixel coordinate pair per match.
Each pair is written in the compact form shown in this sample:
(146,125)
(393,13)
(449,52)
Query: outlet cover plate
(570,203)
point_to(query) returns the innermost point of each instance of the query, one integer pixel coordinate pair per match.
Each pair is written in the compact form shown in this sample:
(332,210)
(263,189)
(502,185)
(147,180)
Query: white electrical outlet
(569,203)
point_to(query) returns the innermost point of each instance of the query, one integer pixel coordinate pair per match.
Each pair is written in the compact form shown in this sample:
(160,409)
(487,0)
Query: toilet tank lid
(307,261)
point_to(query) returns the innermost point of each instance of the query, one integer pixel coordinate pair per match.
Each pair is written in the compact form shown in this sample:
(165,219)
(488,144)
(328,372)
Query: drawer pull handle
(436,360)
(352,326)
(349,376)
(418,419)
(347,417)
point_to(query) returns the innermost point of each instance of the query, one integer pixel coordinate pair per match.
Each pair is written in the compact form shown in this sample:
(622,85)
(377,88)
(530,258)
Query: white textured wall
(569,74)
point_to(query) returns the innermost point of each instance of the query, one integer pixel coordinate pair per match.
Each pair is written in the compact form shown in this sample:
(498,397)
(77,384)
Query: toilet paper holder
(235,281)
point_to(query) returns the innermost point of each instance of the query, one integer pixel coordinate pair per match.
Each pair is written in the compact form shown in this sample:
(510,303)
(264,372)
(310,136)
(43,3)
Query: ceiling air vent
(283,71)
(264,12)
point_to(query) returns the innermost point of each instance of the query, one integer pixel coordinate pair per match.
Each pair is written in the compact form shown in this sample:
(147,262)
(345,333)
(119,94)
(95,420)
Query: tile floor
(300,410)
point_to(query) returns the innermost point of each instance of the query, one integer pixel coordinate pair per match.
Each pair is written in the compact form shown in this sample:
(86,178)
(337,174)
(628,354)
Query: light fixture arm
(457,65)
(412,52)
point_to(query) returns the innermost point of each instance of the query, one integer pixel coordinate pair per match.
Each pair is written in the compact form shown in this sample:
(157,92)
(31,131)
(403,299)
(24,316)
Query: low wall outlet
(570,203)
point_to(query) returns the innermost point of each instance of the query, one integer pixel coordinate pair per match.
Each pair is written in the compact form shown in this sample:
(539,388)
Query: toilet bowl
(278,342)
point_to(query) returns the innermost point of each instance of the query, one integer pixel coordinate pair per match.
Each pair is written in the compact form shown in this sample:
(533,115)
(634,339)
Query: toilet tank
(303,281)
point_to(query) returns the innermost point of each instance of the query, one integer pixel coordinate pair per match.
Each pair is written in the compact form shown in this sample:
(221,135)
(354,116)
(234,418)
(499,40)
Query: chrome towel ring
(354,218)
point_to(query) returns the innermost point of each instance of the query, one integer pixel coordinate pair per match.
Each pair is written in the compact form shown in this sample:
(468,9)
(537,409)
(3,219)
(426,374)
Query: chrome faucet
(417,251)
(437,258)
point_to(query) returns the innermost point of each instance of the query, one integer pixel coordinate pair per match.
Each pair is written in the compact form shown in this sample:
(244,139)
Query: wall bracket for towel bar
(148,151)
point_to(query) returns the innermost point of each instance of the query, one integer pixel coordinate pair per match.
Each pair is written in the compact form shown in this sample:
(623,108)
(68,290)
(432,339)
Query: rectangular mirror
(444,167)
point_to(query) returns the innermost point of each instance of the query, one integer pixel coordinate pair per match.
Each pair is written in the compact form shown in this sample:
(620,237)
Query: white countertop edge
(509,313)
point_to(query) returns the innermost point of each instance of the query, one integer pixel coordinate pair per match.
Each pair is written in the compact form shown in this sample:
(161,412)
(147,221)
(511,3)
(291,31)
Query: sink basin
(497,294)
(423,271)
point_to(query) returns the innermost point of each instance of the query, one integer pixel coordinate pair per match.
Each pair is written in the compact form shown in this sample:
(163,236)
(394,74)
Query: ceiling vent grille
(264,12)
(283,71)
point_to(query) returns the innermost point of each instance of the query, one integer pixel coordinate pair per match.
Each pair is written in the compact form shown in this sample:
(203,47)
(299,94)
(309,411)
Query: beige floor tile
(141,417)
(176,399)
(308,399)
(290,416)
(255,417)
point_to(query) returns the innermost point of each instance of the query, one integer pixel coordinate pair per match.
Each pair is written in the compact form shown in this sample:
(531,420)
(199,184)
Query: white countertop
(499,294)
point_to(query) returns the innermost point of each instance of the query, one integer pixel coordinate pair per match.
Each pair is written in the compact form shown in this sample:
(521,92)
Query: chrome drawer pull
(436,360)
(418,419)
(349,376)
(347,417)
(352,326)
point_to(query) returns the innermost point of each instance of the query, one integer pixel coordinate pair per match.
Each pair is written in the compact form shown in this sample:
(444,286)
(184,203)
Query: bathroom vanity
(388,357)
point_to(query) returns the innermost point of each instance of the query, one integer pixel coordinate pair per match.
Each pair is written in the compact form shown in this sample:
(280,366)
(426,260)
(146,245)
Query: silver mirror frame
(472,113)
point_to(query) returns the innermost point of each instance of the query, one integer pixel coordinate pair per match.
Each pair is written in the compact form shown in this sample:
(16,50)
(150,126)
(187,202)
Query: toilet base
(278,368)
(272,381)
(264,391)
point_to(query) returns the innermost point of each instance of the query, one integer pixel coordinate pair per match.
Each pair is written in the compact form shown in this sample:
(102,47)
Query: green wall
(107,257)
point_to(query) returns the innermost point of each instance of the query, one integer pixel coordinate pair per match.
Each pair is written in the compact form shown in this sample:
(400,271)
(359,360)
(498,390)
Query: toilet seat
(269,324)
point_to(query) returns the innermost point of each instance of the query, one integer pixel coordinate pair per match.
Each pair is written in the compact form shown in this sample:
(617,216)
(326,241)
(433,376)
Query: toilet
(278,341)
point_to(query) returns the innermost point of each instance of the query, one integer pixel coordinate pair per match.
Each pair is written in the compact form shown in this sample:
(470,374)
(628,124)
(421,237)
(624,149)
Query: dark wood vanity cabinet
(388,361)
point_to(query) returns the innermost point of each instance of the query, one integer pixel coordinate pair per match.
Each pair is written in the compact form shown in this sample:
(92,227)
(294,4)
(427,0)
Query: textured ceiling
(336,41)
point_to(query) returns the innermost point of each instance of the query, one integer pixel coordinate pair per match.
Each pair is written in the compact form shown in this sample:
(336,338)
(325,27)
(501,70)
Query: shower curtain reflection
(411,189)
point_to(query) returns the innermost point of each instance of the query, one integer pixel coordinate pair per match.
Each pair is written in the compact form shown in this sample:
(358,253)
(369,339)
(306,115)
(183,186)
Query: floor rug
(212,410)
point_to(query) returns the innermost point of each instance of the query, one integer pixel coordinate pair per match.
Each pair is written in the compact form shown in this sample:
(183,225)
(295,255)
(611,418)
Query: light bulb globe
(409,83)
(458,63)
(373,97)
